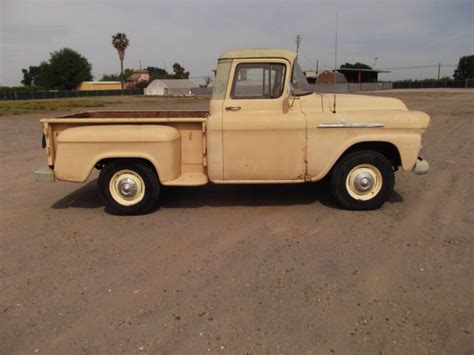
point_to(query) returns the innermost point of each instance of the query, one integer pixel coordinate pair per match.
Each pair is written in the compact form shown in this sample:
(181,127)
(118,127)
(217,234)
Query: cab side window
(258,81)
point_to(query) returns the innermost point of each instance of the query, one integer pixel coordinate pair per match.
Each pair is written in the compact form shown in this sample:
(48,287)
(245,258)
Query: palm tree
(120,43)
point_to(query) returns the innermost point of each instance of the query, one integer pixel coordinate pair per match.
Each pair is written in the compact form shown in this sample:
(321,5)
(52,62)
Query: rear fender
(79,149)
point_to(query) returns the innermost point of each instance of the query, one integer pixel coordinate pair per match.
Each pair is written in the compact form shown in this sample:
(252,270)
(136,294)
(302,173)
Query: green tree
(116,77)
(465,69)
(29,75)
(142,84)
(110,77)
(36,75)
(180,72)
(120,43)
(355,66)
(160,73)
(41,78)
(157,73)
(65,70)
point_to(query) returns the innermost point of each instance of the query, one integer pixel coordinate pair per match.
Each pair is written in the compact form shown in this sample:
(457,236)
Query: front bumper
(45,174)
(421,167)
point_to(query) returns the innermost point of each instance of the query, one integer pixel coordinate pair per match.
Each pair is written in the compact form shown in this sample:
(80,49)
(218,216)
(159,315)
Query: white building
(172,87)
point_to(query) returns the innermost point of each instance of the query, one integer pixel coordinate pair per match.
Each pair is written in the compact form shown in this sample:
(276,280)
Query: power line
(421,66)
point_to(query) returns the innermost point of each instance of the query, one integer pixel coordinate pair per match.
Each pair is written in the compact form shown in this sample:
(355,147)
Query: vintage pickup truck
(265,125)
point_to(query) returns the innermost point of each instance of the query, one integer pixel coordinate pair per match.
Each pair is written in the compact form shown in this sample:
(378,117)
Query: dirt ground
(241,269)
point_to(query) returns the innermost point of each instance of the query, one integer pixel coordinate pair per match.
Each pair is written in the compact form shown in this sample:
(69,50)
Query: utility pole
(298,42)
(439,70)
(335,47)
(335,67)
(317,66)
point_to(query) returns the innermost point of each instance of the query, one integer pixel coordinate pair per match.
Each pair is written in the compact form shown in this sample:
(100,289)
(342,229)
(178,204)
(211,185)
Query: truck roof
(259,53)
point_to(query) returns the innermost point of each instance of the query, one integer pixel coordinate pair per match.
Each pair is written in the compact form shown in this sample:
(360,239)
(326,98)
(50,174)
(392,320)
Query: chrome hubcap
(127,187)
(363,181)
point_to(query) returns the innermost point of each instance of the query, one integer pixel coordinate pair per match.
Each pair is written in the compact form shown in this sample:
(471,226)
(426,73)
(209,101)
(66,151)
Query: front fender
(79,149)
(407,144)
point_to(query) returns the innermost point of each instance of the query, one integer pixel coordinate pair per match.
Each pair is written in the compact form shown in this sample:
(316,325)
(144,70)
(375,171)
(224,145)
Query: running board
(187,180)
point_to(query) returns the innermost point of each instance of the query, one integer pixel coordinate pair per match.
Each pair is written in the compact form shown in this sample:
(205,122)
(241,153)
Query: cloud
(194,33)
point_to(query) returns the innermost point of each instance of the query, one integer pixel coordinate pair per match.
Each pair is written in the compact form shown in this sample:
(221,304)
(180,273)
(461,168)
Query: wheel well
(389,150)
(103,162)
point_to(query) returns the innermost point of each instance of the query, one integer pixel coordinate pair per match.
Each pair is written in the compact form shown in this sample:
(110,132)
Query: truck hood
(361,102)
(366,110)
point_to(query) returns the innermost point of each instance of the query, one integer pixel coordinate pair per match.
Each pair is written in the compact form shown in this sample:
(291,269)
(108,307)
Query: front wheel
(362,180)
(128,187)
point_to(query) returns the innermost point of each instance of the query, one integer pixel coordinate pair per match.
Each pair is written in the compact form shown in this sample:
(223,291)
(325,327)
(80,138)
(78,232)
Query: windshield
(299,82)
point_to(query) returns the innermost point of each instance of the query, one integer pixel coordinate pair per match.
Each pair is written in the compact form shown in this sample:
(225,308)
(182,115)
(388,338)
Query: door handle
(232,108)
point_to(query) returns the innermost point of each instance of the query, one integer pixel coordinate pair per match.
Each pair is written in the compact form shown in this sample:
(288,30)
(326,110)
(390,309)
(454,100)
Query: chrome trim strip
(351,125)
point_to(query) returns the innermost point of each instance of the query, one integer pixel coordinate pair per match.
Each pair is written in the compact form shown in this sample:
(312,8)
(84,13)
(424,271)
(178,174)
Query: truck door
(264,133)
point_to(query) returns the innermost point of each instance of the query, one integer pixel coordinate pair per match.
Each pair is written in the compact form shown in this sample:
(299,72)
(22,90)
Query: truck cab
(265,125)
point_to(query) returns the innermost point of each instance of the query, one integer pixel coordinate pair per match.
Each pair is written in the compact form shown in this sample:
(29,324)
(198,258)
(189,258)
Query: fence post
(465,85)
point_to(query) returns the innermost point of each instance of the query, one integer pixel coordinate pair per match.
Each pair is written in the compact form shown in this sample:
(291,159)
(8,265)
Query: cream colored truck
(265,125)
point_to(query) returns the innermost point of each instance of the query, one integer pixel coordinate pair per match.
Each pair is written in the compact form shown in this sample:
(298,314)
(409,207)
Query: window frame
(236,71)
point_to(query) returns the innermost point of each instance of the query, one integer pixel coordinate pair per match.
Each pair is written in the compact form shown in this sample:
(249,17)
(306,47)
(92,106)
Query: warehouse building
(354,75)
(171,87)
(99,85)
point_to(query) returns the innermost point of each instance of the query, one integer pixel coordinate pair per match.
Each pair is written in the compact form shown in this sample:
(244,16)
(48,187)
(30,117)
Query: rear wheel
(362,180)
(128,187)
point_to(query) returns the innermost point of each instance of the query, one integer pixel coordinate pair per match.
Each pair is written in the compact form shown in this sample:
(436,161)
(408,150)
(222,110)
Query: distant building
(138,76)
(99,85)
(354,75)
(330,77)
(172,87)
(311,76)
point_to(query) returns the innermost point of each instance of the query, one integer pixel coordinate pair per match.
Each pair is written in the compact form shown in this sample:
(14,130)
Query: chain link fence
(460,84)
(61,94)
(347,87)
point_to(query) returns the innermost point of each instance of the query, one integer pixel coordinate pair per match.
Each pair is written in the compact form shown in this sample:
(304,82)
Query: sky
(399,33)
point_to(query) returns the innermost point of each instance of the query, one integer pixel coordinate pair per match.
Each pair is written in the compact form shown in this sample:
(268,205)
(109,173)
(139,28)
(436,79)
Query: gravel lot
(241,269)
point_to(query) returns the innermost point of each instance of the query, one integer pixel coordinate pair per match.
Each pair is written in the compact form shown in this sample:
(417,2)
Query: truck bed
(190,124)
